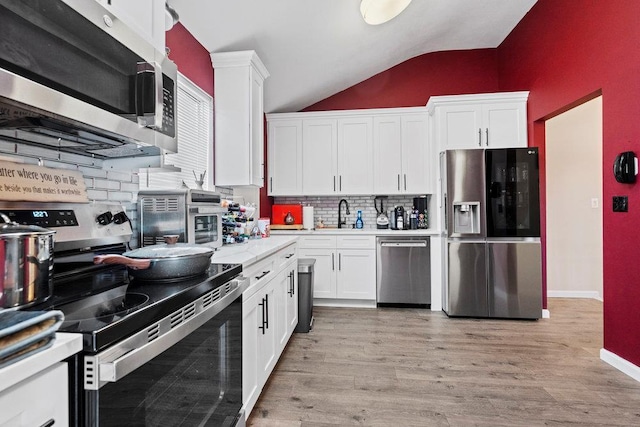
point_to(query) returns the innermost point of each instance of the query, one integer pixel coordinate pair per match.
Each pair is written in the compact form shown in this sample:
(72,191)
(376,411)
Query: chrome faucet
(340,222)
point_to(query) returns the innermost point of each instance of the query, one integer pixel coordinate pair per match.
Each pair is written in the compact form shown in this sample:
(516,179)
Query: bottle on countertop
(359,222)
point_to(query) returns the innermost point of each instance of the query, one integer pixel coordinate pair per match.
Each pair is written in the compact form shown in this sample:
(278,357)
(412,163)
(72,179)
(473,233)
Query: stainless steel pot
(170,261)
(26,264)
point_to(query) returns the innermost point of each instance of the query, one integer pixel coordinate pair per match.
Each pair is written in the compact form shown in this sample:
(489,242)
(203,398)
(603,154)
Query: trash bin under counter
(305,294)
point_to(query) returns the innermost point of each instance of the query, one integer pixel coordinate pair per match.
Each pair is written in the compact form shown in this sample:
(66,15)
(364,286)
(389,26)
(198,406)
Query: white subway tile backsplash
(106,184)
(103,186)
(327,207)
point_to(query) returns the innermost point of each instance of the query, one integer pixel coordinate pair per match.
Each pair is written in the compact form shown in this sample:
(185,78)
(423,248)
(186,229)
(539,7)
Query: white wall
(574,202)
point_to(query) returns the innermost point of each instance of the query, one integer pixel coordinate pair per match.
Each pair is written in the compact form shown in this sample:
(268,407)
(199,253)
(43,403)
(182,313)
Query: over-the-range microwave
(75,78)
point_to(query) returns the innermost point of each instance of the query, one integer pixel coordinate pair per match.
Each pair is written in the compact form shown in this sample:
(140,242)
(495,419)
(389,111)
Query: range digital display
(50,218)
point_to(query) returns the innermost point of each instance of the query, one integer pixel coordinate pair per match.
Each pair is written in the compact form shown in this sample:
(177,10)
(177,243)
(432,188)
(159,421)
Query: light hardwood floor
(412,367)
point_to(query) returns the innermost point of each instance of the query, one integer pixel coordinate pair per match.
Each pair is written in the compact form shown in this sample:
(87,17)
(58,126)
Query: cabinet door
(459,126)
(324,271)
(387,154)
(256,123)
(285,157)
(319,151)
(267,337)
(251,335)
(505,125)
(416,155)
(144,17)
(282,284)
(42,399)
(356,274)
(355,155)
(292,300)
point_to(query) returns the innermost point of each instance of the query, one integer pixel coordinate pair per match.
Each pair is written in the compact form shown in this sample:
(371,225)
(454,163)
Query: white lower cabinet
(269,316)
(40,400)
(345,266)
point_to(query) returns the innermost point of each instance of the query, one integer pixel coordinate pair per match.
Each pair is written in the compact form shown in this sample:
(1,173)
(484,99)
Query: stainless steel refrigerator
(492,223)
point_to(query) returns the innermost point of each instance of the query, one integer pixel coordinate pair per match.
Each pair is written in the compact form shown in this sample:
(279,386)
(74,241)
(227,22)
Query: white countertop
(363,231)
(64,345)
(251,251)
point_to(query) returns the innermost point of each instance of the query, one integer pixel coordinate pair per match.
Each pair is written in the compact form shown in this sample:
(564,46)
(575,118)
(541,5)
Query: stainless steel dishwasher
(403,272)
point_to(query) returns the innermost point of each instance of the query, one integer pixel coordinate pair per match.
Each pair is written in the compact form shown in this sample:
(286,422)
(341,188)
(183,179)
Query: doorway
(574,202)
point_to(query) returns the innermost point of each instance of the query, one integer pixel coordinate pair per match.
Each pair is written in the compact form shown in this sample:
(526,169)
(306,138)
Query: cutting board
(278,212)
(286,227)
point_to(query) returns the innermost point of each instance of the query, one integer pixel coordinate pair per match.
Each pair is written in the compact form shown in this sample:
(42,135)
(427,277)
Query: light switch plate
(620,204)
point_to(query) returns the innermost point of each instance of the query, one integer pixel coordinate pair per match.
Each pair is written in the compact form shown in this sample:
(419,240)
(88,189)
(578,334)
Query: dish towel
(23,333)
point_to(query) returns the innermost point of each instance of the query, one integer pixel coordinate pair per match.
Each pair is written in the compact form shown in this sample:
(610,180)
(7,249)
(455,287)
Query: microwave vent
(160,204)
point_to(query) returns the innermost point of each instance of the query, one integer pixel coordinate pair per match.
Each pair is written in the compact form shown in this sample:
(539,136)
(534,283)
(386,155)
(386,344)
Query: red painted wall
(411,83)
(191,57)
(563,54)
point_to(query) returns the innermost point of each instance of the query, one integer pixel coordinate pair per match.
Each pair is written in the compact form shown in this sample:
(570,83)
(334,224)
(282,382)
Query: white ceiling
(316,48)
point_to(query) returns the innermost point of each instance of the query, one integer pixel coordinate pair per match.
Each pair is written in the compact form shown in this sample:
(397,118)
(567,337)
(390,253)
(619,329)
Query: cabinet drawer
(286,255)
(318,242)
(356,242)
(261,271)
(42,399)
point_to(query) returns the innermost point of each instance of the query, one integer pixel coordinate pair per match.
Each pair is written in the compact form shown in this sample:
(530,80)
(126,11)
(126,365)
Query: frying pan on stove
(170,261)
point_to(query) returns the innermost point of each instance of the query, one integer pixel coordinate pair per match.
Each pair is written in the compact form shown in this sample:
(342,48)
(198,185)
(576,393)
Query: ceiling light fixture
(376,12)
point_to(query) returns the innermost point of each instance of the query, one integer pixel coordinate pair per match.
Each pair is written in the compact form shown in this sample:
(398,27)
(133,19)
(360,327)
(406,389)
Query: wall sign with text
(30,183)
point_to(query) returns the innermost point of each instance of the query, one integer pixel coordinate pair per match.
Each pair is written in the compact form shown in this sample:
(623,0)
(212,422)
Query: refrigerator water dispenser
(466,217)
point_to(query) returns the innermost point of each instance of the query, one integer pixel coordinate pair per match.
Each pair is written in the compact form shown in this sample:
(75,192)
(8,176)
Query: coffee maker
(398,222)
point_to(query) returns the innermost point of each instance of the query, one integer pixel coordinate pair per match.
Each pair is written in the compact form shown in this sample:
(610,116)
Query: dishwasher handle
(415,244)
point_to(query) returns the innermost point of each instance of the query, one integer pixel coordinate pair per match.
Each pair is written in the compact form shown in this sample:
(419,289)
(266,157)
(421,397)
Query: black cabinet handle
(266,304)
(264,273)
(292,282)
(487,141)
(262,304)
(49,423)
(479,137)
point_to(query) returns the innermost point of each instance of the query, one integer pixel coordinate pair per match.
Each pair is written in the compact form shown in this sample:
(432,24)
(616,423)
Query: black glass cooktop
(106,306)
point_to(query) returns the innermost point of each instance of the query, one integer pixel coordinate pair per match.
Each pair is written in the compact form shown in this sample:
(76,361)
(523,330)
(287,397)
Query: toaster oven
(193,215)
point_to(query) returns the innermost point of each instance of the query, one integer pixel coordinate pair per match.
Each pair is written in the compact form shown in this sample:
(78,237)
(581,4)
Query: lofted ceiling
(316,48)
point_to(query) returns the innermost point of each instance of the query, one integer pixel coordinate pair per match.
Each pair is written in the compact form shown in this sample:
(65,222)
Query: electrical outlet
(620,204)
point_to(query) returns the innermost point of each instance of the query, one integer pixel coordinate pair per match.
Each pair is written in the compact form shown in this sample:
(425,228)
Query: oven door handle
(122,359)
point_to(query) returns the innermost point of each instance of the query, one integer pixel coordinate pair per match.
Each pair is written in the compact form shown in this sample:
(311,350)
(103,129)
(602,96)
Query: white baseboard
(574,294)
(352,303)
(546,314)
(620,364)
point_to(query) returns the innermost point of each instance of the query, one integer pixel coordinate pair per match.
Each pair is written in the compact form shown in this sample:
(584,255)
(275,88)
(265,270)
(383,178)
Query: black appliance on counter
(398,221)
(421,205)
(154,352)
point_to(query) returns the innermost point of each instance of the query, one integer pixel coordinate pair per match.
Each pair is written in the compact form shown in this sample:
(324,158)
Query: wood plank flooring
(412,367)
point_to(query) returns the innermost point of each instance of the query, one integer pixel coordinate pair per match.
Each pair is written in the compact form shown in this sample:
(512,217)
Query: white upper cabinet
(145,17)
(387,136)
(495,120)
(285,157)
(402,153)
(355,155)
(319,156)
(239,118)
(351,152)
